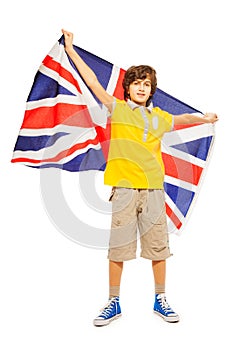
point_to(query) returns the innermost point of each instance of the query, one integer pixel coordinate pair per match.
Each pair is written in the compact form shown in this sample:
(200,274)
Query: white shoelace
(164,304)
(106,310)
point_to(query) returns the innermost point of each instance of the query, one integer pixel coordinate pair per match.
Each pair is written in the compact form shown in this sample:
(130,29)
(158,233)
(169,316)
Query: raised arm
(87,73)
(192,119)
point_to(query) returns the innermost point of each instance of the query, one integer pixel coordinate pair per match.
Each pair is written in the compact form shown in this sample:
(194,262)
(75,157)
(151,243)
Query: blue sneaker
(110,312)
(162,308)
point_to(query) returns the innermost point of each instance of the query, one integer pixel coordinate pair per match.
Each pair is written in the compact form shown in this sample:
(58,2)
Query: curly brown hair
(139,72)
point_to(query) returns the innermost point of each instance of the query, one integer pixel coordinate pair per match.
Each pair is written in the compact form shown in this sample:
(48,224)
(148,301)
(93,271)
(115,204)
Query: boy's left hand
(212,117)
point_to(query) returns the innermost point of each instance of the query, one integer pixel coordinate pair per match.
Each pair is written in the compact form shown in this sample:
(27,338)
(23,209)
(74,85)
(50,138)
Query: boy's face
(140,91)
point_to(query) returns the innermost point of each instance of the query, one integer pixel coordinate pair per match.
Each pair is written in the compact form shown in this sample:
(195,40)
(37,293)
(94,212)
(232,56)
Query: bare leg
(159,271)
(115,272)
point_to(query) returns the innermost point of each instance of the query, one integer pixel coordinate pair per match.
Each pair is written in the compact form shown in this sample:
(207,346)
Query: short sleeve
(167,119)
(115,100)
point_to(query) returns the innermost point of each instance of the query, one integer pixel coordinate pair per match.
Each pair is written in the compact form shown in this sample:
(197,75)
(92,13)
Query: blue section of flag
(91,160)
(46,87)
(35,143)
(182,197)
(101,67)
(198,148)
(171,104)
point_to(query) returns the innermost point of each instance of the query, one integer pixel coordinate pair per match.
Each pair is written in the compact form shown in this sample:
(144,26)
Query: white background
(52,288)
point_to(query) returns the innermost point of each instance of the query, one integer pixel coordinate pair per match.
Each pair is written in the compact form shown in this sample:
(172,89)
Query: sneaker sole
(171,319)
(99,322)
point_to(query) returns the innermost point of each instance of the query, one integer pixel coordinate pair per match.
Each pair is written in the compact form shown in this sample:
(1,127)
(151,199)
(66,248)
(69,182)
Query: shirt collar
(134,105)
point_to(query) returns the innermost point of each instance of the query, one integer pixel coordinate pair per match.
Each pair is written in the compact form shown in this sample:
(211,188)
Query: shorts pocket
(113,193)
(156,238)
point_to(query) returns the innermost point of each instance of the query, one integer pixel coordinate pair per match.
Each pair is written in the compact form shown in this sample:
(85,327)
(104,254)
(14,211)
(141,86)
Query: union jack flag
(65,126)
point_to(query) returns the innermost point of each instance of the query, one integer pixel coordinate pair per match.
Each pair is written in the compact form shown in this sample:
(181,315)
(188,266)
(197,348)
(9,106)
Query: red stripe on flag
(119,92)
(181,169)
(61,113)
(104,135)
(176,221)
(184,126)
(64,73)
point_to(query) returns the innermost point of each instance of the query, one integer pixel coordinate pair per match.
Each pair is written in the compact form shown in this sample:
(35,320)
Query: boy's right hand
(68,39)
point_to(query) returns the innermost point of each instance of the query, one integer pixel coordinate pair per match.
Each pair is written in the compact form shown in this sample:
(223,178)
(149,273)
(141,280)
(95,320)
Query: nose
(141,86)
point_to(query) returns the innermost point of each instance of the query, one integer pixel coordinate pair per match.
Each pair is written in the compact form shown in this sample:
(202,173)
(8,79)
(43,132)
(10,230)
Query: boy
(135,170)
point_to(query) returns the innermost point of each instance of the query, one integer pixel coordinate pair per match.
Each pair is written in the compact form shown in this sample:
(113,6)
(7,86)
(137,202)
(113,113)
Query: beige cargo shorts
(138,213)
